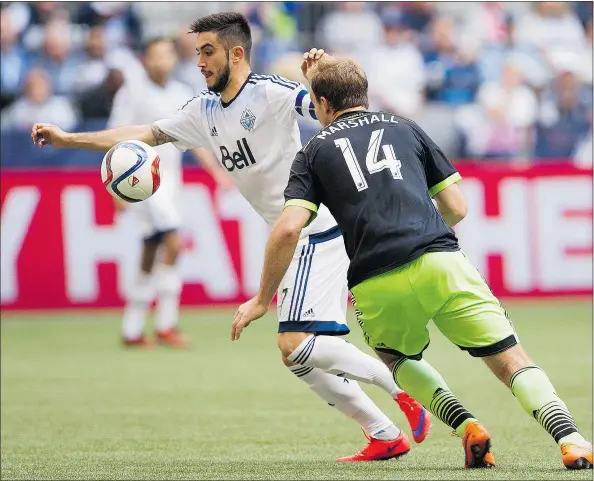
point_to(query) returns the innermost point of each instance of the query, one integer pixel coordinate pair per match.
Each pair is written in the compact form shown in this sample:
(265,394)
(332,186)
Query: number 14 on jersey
(372,161)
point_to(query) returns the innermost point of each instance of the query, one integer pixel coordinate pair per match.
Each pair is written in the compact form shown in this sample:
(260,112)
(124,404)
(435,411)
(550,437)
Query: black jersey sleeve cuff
(306,204)
(437,188)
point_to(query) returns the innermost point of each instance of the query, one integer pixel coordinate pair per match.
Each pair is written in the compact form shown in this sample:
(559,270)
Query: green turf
(75,405)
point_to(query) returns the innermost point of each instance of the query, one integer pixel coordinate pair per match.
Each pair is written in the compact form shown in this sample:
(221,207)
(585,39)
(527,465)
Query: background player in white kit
(249,121)
(155,96)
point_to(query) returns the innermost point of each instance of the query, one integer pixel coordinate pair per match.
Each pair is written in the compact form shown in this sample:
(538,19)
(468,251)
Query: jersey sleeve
(288,96)
(301,189)
(186,126)
(439,171)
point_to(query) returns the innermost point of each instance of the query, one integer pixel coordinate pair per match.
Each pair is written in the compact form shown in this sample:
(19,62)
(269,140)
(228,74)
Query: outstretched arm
(102,141)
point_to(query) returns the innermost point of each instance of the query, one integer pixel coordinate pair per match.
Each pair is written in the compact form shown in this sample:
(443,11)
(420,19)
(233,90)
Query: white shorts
(158,214)
(313,295)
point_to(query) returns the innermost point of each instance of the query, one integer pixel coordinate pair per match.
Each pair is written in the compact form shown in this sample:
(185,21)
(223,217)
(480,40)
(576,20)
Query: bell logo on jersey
(248,119)
(240,159)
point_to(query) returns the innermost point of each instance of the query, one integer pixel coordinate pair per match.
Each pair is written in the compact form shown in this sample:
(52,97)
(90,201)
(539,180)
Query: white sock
(336,356)
(169,286)
(139,298)
(348,397)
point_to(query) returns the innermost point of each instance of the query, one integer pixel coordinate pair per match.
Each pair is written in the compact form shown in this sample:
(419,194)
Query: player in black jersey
(377,173)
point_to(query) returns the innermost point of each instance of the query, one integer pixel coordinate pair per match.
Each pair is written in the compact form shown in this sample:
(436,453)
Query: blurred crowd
(498,81)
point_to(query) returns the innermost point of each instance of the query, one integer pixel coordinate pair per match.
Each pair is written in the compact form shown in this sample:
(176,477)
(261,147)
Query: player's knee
(286,362)
(289,341)
(505,364)
(388,359)
(141,291)
(173,247)
(149,254)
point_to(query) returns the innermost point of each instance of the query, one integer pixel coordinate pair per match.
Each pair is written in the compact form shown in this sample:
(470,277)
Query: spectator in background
(487,23)
(186,71)
(550,26)
(418,15)
(584,12)
(97,103)
(39,103)
(452,72)
(565,118)
(395,69)
(274,32)
(553,34)
(40,16)
(121,23)
(57,59)
(93,68)
(515,102)
(352,30)
(13,61)
(577,60)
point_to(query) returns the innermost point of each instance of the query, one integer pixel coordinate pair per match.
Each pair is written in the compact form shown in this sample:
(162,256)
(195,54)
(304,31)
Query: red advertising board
(528,230)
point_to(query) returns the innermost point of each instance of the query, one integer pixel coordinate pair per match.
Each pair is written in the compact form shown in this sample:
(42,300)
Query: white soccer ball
(130,171)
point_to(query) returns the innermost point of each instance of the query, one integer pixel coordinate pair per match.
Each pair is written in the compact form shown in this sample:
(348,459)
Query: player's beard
(223,79)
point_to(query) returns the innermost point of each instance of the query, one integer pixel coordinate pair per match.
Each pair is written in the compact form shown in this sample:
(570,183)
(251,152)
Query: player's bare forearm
(451,218)
(279,250)
(451,204)
(48,134)
(104,140)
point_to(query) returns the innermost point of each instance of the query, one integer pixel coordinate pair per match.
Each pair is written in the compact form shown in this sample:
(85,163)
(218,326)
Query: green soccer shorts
(394,308)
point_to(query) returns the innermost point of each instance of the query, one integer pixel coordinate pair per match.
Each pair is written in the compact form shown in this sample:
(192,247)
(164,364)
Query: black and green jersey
(376,172)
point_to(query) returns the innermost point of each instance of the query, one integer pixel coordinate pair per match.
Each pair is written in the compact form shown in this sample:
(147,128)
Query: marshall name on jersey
(255,137)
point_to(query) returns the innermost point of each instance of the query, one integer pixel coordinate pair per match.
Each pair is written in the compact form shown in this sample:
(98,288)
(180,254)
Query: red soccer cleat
(172,338)
(418,417)
(377,450)
(139,342)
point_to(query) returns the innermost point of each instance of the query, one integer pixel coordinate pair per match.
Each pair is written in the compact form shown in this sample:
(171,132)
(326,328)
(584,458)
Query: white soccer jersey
(255,138)
(144,103)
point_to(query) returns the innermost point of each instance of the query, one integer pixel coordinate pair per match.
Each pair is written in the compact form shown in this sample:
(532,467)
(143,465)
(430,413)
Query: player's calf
(422,381)
(137,304)
(336,356)
(348,398)
(169,286)
(533,389)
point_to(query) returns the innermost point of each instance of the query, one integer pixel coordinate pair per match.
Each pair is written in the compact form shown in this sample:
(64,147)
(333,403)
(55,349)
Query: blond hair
(341,81)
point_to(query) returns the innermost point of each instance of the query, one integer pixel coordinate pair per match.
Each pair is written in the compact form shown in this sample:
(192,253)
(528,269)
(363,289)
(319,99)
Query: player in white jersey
(249,122)
(152,97)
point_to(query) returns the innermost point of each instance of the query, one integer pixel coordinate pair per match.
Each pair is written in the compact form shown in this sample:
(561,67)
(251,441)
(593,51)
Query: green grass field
(76,405)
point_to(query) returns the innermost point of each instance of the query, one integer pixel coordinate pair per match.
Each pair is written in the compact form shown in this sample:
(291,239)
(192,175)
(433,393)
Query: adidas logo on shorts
(309,313)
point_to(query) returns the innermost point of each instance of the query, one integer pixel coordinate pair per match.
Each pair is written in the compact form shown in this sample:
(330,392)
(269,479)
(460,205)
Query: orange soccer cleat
(577,456)
(377,450)
(418,417)
(139,342)
(477,446)
(172,338)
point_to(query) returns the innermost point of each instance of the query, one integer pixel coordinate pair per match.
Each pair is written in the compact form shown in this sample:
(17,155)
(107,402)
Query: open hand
(309,60)
(246,313)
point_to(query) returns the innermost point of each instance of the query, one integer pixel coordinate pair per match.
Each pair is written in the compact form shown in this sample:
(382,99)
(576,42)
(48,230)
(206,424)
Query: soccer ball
(130,171)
